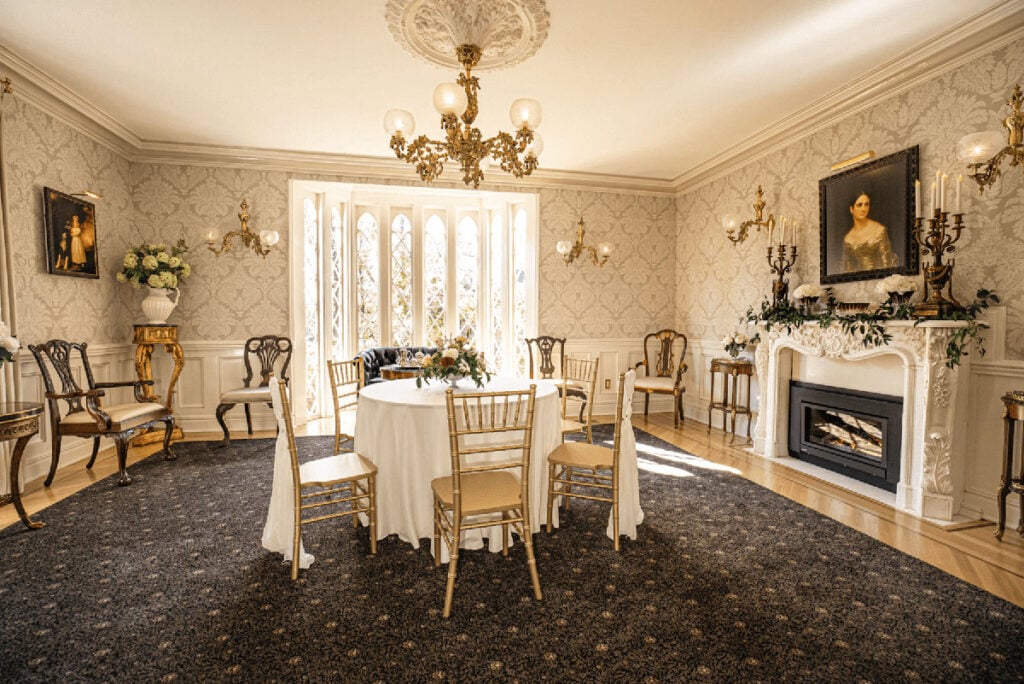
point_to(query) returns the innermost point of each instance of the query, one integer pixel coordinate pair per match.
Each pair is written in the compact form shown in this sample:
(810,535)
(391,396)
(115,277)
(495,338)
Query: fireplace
(847,431)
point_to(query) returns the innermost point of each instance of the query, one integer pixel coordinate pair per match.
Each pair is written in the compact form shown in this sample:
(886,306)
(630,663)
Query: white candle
(792,231)
(931,205)
(917,198)
(783,242)
(959,184)
(771,229)
(943,202)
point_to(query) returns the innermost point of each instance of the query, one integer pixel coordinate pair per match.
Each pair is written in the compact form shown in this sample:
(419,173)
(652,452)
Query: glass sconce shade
(978,148)
(211,235)
(450,98)
(730,222)
(563,247)
(525,112)
(605,249)
(269,238)
(399,121)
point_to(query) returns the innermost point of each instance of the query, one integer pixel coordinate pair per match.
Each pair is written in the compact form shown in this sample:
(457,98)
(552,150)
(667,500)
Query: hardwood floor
(969,552)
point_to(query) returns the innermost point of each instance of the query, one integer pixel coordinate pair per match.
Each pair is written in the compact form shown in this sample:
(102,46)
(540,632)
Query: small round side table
(730,406)
(1013,410)
(19,420)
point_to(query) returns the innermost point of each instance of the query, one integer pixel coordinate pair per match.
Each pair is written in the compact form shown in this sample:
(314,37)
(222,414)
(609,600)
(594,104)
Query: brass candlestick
(780,266)
(936,240)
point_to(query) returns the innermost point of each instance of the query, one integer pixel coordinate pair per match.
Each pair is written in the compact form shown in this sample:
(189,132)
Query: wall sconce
(981,151)
(571,251)
(737,232)
(259,242)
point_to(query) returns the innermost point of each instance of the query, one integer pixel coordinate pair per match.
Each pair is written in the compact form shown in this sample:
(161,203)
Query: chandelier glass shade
(984,151)
(463,143)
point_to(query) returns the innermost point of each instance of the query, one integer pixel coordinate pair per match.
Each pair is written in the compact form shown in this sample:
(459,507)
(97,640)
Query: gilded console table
(20,421)
(147,336)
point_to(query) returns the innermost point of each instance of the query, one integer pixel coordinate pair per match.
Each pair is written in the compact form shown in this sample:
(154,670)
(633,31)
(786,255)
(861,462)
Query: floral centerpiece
(9,344)
(155,265)
(737,342)
(897,288)
(454,360)
(807,294)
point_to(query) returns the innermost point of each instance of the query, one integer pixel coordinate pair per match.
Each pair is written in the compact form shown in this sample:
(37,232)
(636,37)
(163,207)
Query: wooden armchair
(268,351)
(661,373)
(86,416)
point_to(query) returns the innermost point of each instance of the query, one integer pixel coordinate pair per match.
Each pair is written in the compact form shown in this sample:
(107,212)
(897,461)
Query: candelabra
(938,239)
(781,265)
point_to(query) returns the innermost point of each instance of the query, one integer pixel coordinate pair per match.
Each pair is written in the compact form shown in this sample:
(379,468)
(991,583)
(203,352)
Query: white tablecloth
(404,431)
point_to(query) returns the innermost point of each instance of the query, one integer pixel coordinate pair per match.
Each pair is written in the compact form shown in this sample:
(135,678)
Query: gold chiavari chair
(345,480)
(590,471)
(579,381)
(489,435)
(347,379)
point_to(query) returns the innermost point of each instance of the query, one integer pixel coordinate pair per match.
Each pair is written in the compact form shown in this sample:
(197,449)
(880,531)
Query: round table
(403,429)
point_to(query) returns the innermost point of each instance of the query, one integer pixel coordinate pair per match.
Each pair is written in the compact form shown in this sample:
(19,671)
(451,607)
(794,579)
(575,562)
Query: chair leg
(531,562)
(504,534)
(297,535)
(453,567)
(647,401)
(248,418)
(551,493)
(679,409)
(121,442)
(95,450)
(615,516)
(373,514)
(221,410)
(168,431)
(54,455)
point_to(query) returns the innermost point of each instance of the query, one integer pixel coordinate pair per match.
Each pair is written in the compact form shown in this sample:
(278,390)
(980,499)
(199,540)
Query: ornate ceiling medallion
(506,31)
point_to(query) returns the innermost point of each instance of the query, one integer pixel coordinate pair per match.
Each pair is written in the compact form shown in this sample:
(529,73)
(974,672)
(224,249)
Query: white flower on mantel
(896,283)
(807,290)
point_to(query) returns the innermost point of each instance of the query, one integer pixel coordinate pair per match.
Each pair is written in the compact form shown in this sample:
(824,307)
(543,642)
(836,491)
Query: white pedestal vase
(159,304)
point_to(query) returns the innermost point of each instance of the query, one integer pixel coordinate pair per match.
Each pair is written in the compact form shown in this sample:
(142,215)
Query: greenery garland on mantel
(870,325)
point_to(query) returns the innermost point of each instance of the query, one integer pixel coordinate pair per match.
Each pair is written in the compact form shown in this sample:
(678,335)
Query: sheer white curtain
(9,381)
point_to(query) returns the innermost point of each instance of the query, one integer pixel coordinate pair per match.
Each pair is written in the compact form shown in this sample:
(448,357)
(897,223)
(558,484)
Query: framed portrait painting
(867,215)
(70,229)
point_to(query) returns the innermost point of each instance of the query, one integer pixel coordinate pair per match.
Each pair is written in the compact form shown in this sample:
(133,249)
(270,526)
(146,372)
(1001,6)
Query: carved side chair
(266,352)
(662,375)
(546,346)
(86,415)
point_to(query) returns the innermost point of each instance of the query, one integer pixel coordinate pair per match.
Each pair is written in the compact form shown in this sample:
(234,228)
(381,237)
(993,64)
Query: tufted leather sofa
(376,357)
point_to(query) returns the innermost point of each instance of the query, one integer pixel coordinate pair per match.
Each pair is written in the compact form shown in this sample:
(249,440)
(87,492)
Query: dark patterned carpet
(166,581)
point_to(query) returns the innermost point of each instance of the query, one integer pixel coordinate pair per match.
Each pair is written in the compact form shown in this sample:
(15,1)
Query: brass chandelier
(464,143)
(982,153)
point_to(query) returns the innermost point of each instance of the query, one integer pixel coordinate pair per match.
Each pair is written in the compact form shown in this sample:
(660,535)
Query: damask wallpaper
(718,280)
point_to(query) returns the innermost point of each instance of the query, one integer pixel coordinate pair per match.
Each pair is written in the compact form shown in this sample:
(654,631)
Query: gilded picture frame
(69,226)
(867,215)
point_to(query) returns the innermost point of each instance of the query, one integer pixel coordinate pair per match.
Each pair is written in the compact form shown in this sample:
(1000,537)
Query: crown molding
(985,32)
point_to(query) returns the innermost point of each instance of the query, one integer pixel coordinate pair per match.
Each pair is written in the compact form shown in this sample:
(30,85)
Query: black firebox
(857,434)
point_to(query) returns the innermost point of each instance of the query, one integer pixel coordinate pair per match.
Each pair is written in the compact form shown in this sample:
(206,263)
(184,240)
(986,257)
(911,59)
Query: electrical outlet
(607,383)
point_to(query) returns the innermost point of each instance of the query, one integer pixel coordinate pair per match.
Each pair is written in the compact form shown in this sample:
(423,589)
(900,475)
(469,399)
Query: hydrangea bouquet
(454,360)
(155,265)
(737,342)
(897,288)
(9,344)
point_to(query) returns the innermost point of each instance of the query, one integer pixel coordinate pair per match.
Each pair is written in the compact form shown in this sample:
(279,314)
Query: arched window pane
(337,306)
(519,271)
(311,294)
(497,247)
(435,274)
(467,273)
(401,282)
(367,282)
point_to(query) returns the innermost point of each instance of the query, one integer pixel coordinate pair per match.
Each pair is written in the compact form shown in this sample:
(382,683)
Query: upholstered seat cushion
(342,467)
(119,413)
(487,492)
(582,455)
(246,395)
(656,383)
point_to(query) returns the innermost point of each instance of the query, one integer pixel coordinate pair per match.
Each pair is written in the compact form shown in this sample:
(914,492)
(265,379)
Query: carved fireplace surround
(933,449)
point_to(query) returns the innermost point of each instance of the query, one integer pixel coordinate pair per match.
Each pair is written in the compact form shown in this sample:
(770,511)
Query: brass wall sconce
(981,151)
(259,242)
(737,232)
(571,251)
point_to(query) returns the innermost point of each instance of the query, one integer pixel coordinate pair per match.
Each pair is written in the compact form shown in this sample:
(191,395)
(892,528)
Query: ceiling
(647,89)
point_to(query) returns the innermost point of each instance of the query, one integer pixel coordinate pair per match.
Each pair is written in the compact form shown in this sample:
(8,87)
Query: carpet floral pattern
(166,581)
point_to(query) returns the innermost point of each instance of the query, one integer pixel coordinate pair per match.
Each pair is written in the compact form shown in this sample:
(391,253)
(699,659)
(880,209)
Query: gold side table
(730,406)
(147,336)
(20,421)
(1013,410)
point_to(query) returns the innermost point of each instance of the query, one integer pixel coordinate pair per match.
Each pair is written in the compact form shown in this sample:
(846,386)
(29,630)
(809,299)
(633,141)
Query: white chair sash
(630,512)
(279,530)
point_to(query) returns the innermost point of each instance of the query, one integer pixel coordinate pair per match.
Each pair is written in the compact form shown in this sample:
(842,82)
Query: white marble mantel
(933,450)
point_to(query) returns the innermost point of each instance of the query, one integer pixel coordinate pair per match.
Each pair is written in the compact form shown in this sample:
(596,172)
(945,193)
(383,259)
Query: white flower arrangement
(736,342)
(9,344)
(899,284)
(154,265)
(807,290)
(455,359)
